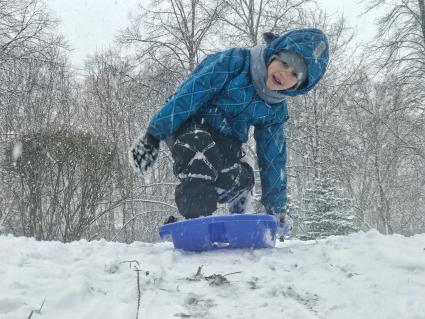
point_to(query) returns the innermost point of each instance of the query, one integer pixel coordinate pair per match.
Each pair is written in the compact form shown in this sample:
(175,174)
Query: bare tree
(400,43)
(315,135)
(58,180)
(25,29)
(176,32)
(32,66)
(384,171)
(37,92)
(118,104)
(401,35)
(248,19)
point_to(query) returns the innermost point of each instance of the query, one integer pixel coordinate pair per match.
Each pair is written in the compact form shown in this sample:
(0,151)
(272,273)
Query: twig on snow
(37,311)
(131,261)
(138,292)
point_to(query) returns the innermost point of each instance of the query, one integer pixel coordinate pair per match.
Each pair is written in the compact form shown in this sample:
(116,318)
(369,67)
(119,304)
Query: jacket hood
(312,44)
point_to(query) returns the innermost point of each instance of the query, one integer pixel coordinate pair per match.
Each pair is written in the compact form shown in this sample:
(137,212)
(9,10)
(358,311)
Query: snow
(363,275)
(17,151)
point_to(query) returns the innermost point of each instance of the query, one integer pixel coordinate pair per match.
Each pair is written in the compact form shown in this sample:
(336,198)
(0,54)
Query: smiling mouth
(276,80)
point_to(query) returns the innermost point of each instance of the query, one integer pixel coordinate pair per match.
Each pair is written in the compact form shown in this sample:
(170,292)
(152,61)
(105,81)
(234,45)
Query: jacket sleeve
(271,153)
(204,82)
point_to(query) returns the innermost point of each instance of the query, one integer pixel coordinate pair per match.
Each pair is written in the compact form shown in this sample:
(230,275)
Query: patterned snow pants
(209,168)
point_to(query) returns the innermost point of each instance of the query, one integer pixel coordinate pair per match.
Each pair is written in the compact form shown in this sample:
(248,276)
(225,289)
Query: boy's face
(280,76)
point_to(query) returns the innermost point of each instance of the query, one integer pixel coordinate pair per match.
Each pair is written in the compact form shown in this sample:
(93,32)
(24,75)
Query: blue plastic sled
(223,231)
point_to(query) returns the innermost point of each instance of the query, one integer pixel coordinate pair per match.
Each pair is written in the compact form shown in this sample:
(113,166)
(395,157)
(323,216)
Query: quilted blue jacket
(220,89)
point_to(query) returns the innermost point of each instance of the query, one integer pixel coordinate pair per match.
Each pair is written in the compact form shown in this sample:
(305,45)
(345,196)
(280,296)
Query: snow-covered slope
(364,275)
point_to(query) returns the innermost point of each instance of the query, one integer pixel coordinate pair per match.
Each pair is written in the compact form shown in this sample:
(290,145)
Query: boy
(205,122)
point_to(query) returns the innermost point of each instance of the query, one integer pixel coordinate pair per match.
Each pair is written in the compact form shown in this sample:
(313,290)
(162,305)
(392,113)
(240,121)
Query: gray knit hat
(296,61)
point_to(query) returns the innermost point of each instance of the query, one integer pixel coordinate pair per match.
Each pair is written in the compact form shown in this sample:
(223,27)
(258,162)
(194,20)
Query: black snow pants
(209,167)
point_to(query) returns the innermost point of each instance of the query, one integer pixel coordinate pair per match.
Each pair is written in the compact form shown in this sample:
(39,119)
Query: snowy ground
(364,275)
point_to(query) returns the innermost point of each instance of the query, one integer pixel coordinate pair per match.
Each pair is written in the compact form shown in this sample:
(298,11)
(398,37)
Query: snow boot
(235,179)
(242,203)
(195,198)
(170,219)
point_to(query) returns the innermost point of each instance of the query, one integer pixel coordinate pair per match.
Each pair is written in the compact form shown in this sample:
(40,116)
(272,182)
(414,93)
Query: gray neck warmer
(258,70)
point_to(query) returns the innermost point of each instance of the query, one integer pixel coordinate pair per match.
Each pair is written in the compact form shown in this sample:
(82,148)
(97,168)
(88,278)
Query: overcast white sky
(89,25)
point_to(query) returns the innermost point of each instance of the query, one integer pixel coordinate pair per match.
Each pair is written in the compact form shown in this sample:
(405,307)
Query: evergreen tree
(326,211)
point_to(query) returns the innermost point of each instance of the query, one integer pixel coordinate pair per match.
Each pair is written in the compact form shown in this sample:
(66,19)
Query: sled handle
(218,236)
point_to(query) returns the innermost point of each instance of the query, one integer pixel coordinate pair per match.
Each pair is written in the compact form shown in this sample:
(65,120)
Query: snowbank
(364,275)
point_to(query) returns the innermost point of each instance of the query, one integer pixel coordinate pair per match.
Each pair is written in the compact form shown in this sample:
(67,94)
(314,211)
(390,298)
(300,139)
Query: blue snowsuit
(220,90)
